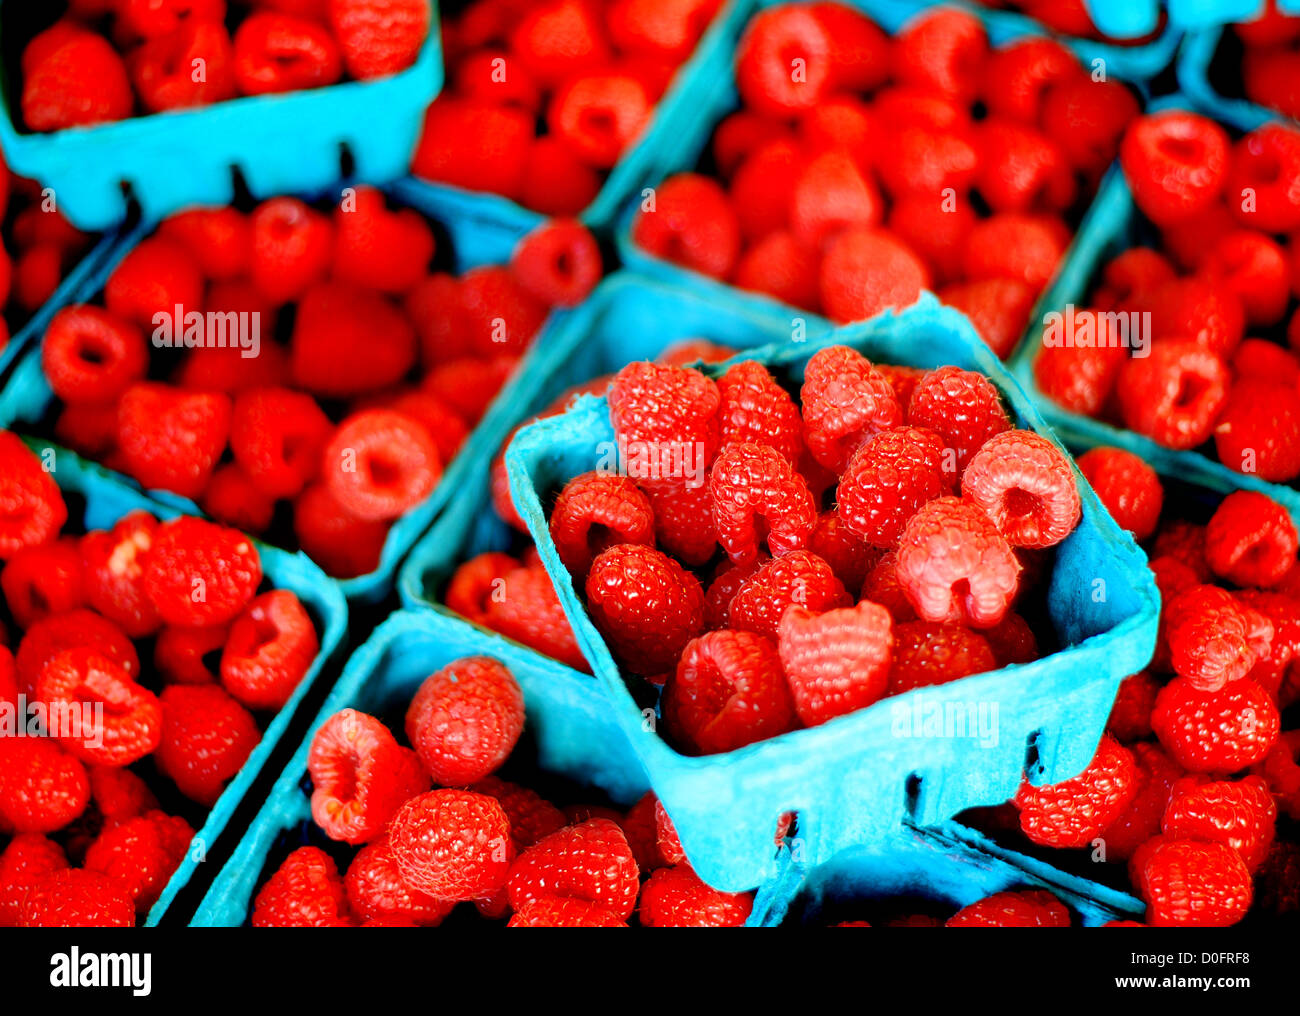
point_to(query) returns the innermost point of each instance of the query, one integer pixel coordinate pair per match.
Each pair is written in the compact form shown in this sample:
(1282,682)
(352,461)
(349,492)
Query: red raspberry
(169,439)
(645,604)
(79,81)
(998,308)
(1260,163)
(342,544)
(360,776)
(348,340)
(555,181)
(1215,731)
(1174,395)
(42,787)
(76,629)
(76,898)
(1023,908)
(293,247)
(641,827)
(668,844)
(375,248)
(234,500)
(867,271)
(773,40)
(684,520)
(691,223)
(25,860)
(849,556)
(753,482)
(1012,640)
(1258,360)
(31,504)
(1250,540)
(1197,308)
(179,654)
(780,266)
(843,123)
(799,577)
(80,680)
(531,816)
(119,794)
(961,406)
(479,145)
(928,654)
(755,409)
(220,240)
(206,738)
(888,479)
(599,115)
(836,662)
(379,37)
(1024,70)
(664,413)
(113,571)
(500,316)
(558,263)
(279,53)
(1021,170)
(832,195)
(213,369)
(590,861)
(452,844)
(1024,483)
(1130,717)
(845,399)
(1140,819)
(305,892)
(1075,811)
(1240,814)
(1254,268)
(141,853)
(199,573)
(1191,884)
(929,161)
(1213,640)
(1079,378)
(954,565)
(1184,543)
(1130,278)
(527,609)
(44,580)
(375,890)
(380,463)
(563,912)
(271,646)
(470,589)
(465,719)
(1175,162)
(1011,245)
(595,511)
(937,232)
(90,355)
(148,19)
(727,580)
(277,437)
(1258,430)
(163,69)
(762,189)
(155,278)
(943,51)
(1129,488)
(1087,118)
(555,40)
(678,898)
(728,691)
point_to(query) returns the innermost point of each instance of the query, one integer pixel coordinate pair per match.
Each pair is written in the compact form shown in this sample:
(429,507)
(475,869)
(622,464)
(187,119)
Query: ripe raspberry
(41,581)
(80,680)
(148,19)
(836,662)
(1258,430)
(866,271)
(77,898)
(1261,161)
(452,844)
(728,691)
(888,478)
(961,406)
(728,577)
(113,571)
(849,556)
(206,738)
(595,511)
(531,816)
(360,776)
(270,648)
(943,51)
(926,161)
(91,356)
(773,39)
(163,68)
(170,439)
(1013,245)
(1130,278)
(845,399)
(1240,814)
(1127,486)
(1258,360)
(1192,884)
(25,860)
(220,240)
(590,861)
(800,578)
(1079,378)
(661,413)
(379,37)
(998,308)
(375,890)
(668,845)
(76,629)
(31,504)
(1175,163)
(477,144)
(1140,819)
(280,53)
(1213,639)
(762,189)
(154,278)
(342,544)
(1254,269)
(305,892)
(1024,483)
(528,610)
(42,787)
(1024,908)
(691,223)
(757,410)
(1197,308)
(1250,540)
(1173,395)
(1072,813)
(752,482)
(563,912)
(1215,731)
(1130,716)
(380,463)
(678,898)
(471,587)
(198,573)
(277,437)
(79,81)
(937,232)
(600,115)
(141,853)
(928,654)
(293,247)
(831,195)
(465,720)
(779,266)
(1087,118)
(559,263)
(646,605)
(348,340)
(1021,169)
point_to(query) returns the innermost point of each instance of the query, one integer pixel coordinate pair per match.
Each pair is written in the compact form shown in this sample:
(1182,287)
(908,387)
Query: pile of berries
(86,724)
(109,59)
(291,355)
(1197,337)
(1269,62)
(475,838)
(544,97)
(1196,784)
(862,169)
(775,565)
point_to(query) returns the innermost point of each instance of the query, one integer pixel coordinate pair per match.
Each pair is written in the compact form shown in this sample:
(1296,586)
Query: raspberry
(25,860)
(89,430)
(641,827)
(728,691)
(929,161)
(936,232)
(841,123)
(888,479)
(170,439)
(148,19)
(590,861)
(845,399)
(213,369)
(998,308)
(1215,731)
(76,629)
(528,610)
(1283,612)
(555,181)
(79,81)
(304,892)
(762,189)
(1183,543)
(1198,308)
(531,816)
(279,53)
(599,115)
(206,738)
(557,912)
(1130,717)
(31,504)
(277,437)
(1012,641)
(1191,884)
(380,463)
(90,355)
(501,317)
(1140,819)
(375,890)
(379,249)
(1012,245)
(961,406)
(645,604)
(1024,908)
(799,577)
(269,650)
(119,794)
(162,69)
(832,195)
(727,579)
(1073,812)
(1254,269)
(452,844)
(112,573)
(1250,540)
(342,544)
(1127,486)
(779,266)
(348,340)
(199,573)
(477,76)
(293,247)
(691,223)
(1239,814)
(1259,360)
(360,776)
(141,853)
(867,271)
(379,37)
(465,719)
(179,654)
(470,589)
(1258,430)
(849,556)
(1129,279)
(1261,162)
(595,511)
(1175,162)
(954,565)
(1173,395)
(1022,170)
(660,412)
(80,680)
(220,240)
(559,263)
(41,581)
(837,662)
(1269,76)
(943,51)
(772,41)
(928,654)
(476,144)
(750,482)
(1213,640)
(1087,118)
(76,898)
(668,844)
(1079,378)
(755,409)
(678,898)
(155,278)
(42,787)
(1024,483)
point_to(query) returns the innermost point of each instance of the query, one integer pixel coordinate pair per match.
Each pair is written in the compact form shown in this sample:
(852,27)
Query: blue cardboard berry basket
(567,732)
(26,396)
(855,779)
(935,870)
(106,500)
(279,144)
(1197,76)
(676,117)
